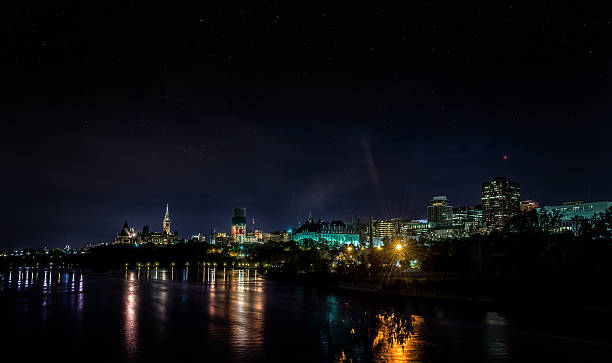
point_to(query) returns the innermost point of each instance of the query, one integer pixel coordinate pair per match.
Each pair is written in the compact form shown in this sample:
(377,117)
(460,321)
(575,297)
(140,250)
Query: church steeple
(166,222)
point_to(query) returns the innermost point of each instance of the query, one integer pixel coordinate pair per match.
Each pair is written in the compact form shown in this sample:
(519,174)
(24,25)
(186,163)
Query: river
(177,315)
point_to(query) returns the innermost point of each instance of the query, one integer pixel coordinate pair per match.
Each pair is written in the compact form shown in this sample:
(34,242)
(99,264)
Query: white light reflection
(19,280)
(130,321)
(45,284)
(213,276)
(495,339)
(247,309)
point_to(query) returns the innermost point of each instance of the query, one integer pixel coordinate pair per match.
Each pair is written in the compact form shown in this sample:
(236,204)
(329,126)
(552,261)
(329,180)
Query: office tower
(439,211)
(500,201)
(239,225)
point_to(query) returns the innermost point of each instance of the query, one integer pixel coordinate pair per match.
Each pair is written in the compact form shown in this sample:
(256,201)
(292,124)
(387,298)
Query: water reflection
(235,306)
(381,336)
(44,280)
(225,314)
(495,340)
(130,326)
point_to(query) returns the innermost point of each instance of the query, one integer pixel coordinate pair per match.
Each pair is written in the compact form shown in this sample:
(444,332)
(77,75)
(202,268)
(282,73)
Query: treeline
(531,243)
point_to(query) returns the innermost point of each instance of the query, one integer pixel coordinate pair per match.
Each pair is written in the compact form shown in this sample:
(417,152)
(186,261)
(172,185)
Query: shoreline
(446,292)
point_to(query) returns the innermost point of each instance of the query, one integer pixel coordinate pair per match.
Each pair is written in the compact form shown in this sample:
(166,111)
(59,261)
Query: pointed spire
(166,221)
(309,216)
(125,230)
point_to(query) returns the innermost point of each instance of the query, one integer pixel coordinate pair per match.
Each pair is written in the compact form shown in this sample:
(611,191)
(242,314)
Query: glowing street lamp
(398,247)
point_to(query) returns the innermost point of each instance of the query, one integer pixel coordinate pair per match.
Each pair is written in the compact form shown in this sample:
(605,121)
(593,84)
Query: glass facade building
(500,201)
(467,217)
(440,212)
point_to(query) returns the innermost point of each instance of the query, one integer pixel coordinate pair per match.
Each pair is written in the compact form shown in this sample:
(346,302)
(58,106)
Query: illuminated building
(500,201)
(335,233)
(467,218)
(384,229)
(439,211)
(165,236)
(573,211)
(166,222)
(125,235)
(222,238)
(416,227)
(381,228)
(277,236)
(527,205)
(198,238)
(255,237)
(239,225)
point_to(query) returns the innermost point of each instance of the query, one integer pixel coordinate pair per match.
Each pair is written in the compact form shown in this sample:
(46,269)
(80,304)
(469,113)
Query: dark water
(234,315)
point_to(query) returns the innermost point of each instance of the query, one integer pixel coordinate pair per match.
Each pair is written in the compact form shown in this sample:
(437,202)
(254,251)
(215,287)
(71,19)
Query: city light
(398,246)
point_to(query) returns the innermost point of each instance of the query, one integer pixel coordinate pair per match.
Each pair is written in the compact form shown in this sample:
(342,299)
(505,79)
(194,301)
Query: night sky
(108,113)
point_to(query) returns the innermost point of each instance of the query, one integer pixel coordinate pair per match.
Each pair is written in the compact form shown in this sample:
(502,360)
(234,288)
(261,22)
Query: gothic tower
(166,222)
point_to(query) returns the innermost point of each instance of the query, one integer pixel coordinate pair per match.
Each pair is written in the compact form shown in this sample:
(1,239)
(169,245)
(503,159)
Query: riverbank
(508,293)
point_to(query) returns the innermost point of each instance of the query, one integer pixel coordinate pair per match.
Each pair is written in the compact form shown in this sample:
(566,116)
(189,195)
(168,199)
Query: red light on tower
(505,157)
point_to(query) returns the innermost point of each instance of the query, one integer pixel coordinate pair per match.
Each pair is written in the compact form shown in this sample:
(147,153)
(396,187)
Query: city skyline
(272,226)
(447,221)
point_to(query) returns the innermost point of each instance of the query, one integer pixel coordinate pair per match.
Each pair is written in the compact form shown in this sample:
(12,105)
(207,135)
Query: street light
(398,246)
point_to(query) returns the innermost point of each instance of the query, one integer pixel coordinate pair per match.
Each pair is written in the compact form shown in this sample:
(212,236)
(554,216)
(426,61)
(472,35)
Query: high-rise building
(384,228)
(239,225)
(166,222)
(527,205)
(439,211)
(500,201)
(467,218)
